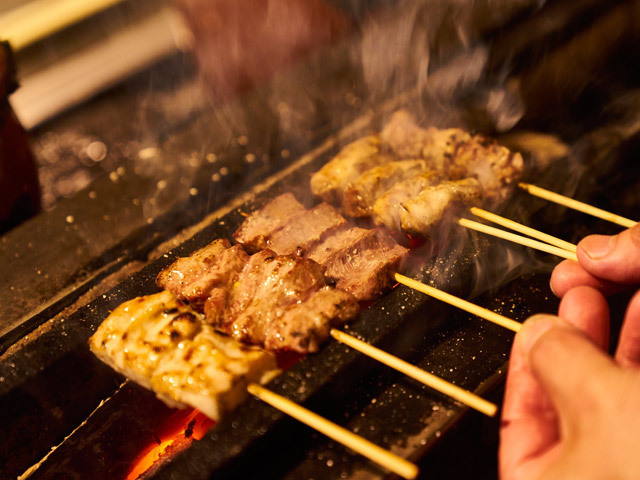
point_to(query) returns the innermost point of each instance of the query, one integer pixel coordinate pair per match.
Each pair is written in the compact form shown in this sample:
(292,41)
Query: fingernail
(598,246)
(534,328)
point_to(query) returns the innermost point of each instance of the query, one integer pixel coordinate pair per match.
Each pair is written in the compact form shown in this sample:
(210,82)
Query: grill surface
(50,384)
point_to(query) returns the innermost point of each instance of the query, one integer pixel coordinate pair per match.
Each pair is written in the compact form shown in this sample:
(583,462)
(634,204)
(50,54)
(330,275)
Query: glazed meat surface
(194,278)
(254,232)
(362,262)
(330,182)
(273,296)
(305,230)
(360,196)
(495,166)
(165,346)
(387,209)
(423,212)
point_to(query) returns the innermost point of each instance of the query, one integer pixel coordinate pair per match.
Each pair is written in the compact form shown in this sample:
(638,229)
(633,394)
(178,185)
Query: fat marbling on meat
(282,302)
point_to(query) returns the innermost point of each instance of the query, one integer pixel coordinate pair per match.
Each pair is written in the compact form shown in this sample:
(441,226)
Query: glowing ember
(182,427)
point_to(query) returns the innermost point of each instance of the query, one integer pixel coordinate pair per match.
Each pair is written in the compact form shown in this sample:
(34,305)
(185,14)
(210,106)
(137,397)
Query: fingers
(628,351)
(586,309)
(569,274)
(529,422)
(568,365)
(612,258)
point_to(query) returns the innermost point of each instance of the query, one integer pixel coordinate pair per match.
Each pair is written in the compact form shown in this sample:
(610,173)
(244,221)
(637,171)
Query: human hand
(607,263)
(570,410)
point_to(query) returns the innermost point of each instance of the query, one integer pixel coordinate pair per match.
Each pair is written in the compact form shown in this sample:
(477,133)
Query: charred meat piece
(165,346)
(330,182)
(360,196)
(360,261)
(408,140)
(254,232)
(194,278)
(423,212)
(387,209)
(305,230)
(495,166)
(268,302)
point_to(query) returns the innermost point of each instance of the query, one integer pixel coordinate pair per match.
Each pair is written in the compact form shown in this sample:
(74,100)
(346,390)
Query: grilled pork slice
(275,303)
(305,230)
(408,140)
(254,232)
(330,182)
(360,196)
(423,212)
(165,346)
(196,277)
(360,261)
(495,166)
(388,208)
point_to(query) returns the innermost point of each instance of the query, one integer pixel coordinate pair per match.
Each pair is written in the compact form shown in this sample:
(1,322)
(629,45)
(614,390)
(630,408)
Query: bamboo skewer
(512,237)
(387,459)
(463,396)
(577,205)
(518,227)
(459,302)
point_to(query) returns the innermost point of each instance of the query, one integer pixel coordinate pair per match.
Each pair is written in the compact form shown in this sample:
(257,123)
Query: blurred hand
(608,263)
(239,44)
(570,410)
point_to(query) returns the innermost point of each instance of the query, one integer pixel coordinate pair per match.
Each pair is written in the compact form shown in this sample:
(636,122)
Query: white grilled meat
(167,347)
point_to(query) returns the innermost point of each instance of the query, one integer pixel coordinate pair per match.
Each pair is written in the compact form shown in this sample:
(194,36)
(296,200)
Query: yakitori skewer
(463,396)
(577,205)
(518,227)
(512,237)
(388,460)
(459,302)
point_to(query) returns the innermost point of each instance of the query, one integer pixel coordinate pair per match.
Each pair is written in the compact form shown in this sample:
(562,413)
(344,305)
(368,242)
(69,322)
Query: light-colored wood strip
(459,302)
(518,227)
(512,237)
(460,394)
(37,19)
(385,458)
(577,205)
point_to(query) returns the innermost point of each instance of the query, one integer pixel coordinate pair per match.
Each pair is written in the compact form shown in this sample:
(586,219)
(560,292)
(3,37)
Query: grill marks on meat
(495,166)
(305,230)
(282,302)
(336,251)
(253,232)
(165,346)
(208,272)
(265,298)
(330,182)
(393,194)
(360,196)
(425,211)
(361,261)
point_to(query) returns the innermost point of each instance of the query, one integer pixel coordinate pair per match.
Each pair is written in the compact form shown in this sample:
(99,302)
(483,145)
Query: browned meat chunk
(198,276)
(305,230)
(423,212)
(360,261)
(407,140)
(360,196)
(330,182)
(275,303)
(495,166)
(256,228)
(387,209)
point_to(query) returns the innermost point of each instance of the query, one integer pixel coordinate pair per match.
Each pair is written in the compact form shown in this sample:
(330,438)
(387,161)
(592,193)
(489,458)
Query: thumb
(568,365)
(615,258)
